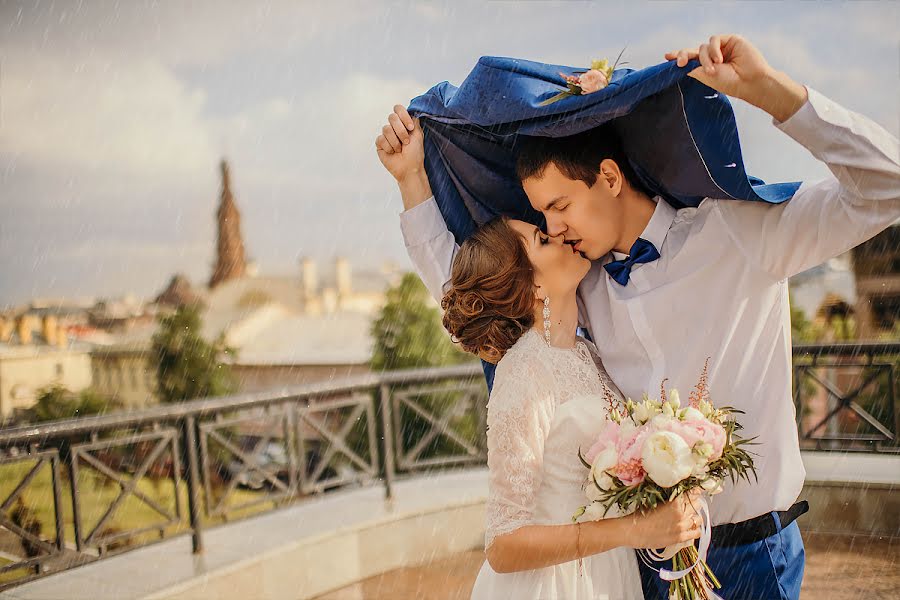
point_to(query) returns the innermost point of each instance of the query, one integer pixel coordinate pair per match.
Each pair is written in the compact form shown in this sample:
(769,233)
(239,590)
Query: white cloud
(133,117)
(321,139)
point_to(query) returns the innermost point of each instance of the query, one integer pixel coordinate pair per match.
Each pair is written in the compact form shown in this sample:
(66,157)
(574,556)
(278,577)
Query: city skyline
(114,118)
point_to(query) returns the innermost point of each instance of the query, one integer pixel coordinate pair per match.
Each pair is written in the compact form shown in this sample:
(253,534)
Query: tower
(230,260)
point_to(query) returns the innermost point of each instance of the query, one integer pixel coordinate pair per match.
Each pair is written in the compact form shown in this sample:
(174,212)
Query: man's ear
(611,176)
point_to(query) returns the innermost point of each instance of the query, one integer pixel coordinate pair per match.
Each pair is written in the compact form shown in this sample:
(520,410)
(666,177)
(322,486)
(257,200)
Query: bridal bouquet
(650,452)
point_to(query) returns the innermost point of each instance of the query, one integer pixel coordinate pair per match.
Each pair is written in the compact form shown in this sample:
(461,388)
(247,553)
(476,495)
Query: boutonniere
(586,82)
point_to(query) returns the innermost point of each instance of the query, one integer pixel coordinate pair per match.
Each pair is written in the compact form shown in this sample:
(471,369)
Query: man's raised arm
(822,220)
(429,243)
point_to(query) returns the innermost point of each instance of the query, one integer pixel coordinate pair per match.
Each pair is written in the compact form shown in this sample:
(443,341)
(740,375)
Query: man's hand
(401,146)
(401,149)
(733,66)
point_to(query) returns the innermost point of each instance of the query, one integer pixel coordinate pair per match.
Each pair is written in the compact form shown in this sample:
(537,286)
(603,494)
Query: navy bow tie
(641,252)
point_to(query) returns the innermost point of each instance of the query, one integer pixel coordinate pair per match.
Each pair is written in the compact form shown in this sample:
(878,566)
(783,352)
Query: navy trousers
(770,569)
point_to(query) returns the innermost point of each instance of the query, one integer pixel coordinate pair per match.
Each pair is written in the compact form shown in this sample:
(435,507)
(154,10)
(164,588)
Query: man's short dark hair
(576,156)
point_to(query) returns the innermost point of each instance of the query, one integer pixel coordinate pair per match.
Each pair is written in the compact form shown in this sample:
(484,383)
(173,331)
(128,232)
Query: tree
(408,331)
(57,402)
(801,327)
(188,366)
(408,334)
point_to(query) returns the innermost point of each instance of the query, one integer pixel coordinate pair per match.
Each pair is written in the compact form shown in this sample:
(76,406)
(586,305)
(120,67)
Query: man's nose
(555,228)
(558,239)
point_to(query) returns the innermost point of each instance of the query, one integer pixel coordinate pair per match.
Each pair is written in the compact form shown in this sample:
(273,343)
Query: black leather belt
(757,528)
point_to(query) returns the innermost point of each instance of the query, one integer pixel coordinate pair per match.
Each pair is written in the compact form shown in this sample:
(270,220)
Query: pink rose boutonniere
(586,82)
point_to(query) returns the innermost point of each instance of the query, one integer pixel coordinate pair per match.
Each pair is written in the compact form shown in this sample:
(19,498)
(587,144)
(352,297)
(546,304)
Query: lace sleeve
(518,418)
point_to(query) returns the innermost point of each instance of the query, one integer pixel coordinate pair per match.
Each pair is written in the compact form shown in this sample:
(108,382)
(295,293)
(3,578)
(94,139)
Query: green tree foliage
(57,402)
(408,331)
(801,327)
(408,334)
(188,366)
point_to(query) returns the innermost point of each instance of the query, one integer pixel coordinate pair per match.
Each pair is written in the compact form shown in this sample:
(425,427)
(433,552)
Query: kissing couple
(576,252)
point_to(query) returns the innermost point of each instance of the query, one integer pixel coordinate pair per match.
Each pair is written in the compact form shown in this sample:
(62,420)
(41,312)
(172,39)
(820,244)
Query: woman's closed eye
(543,240)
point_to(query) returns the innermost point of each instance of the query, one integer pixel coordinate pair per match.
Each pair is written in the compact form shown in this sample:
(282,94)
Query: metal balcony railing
(77,490)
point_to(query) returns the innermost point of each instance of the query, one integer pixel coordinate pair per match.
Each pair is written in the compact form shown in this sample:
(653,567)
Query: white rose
(594,512)
(606,459)
(660,421)
(604,481)
(691,414)
(667,458)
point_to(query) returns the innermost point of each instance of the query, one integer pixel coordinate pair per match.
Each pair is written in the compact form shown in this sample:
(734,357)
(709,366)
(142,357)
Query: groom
(669,287)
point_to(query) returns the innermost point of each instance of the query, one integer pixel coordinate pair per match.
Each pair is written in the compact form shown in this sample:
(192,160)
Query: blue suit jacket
(679,135)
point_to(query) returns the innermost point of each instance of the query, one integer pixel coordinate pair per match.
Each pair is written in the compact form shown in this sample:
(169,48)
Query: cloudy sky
(114,115)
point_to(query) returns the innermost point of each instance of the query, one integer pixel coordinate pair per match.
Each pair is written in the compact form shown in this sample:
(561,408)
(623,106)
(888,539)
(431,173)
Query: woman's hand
(671,523)
(401,146)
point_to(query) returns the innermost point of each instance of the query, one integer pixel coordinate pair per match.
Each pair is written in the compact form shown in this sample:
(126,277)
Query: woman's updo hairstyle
(490,303)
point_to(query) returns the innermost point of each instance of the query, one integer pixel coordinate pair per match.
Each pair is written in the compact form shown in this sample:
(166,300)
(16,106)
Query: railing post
(58,503)
(193,483)
(384,397)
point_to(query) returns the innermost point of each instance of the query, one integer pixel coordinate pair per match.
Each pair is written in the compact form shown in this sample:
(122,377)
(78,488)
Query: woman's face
(558,268)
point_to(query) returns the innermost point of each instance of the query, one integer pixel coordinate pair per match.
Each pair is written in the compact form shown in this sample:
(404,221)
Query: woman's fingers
(706,60)
(715,49)
(682,56)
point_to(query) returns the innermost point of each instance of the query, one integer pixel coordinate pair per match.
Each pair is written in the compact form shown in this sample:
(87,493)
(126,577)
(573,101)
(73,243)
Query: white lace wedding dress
(545,403)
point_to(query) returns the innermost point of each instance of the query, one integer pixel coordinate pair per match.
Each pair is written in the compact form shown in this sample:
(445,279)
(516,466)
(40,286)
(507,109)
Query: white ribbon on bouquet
(670,551)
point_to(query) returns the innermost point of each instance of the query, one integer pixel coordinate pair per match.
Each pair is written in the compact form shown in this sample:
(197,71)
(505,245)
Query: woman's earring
(547,319)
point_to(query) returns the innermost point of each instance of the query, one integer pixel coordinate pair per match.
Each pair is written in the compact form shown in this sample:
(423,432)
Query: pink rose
(608,437)
(630,446)
(592,81)
(630,472)
(701,431)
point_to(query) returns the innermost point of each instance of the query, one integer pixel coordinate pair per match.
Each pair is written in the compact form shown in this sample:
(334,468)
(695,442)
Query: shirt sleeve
(518,418)
(827,218)
(430,245)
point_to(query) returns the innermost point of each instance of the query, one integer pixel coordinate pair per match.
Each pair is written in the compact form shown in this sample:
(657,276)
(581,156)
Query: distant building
(123,367)
(36,353)
(813,287)
(876,265)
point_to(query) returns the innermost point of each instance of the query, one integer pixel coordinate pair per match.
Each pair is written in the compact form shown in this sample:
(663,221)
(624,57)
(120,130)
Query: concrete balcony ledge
(295,553)
(829,468)
(332,541)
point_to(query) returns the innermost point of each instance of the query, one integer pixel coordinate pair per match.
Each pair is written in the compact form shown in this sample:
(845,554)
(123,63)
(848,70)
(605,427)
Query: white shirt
(719,290)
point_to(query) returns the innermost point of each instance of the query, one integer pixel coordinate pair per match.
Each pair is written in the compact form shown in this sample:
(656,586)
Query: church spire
(230,260)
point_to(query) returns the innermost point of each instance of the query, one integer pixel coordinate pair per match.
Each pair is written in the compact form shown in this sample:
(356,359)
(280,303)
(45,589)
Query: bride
(511,301)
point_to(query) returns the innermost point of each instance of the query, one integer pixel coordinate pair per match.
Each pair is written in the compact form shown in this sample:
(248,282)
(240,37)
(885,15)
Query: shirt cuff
(422,223)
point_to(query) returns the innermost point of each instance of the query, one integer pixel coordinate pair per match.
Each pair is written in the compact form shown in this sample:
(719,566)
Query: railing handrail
(847,348)
(26,434)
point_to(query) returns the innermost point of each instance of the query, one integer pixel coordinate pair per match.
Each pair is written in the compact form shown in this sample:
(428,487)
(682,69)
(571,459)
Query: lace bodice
(533,437)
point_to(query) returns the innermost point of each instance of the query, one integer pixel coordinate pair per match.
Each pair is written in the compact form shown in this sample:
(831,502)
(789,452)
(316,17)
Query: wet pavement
(838,567)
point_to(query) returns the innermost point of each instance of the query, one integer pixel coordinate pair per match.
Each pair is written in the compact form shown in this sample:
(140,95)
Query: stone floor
(837,568)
